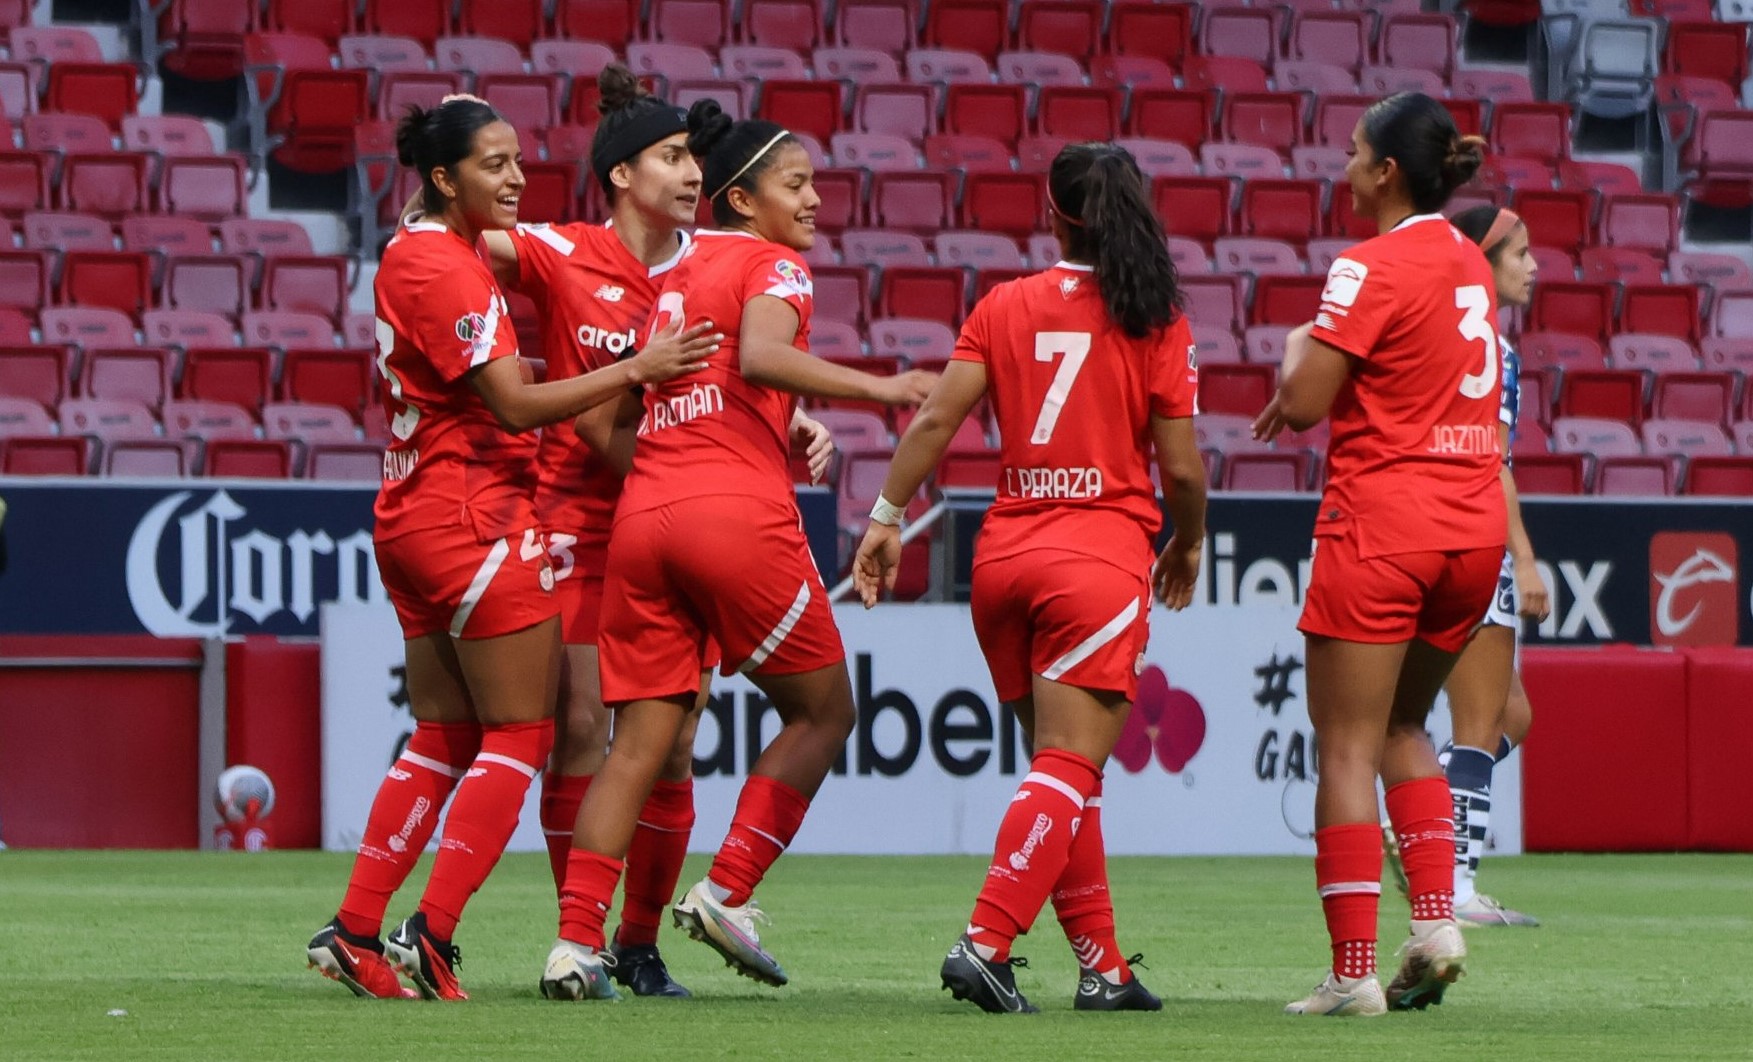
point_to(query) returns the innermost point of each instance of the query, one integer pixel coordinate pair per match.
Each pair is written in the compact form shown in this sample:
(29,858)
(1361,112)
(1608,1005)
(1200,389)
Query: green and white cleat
(1483,910)
(1429,963)
(1342,997)
(577,972)
(730,931)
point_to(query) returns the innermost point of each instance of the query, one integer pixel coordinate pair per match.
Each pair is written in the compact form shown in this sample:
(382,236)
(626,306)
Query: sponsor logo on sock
(399,843)
(1019,859)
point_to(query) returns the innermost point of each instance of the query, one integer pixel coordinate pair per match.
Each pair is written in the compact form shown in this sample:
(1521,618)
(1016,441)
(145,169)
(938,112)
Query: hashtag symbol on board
(1275,676)
(399,689)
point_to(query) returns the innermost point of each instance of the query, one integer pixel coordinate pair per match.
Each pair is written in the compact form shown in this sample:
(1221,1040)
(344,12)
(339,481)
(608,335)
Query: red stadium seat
(1730,477)
(1243,32)
(423,20)
(1662,309)
(1130,71)
(1215,301)
(247,459)
(1641,222)
(308,422)
(207,419)
(948,66)
(580,60)
(147,459)
(705,23)
(1282,210)
(138,374)
(372,51)
(1605,178)
(57,44)
(1556,219)
(475,55)
(1707,397)
(212,283)
(205,38)
(1579,309)
(611,22)
(517,21)
(37,373)
(313,284)
(812,107)
(311,109)
(1335,119)
(263,236)
(281,329)
(883,248)
(1337,37)
(166,235)
(897,110)
(1013,204)
(1078,113)
(24,280)
(1595,435)
(527,101)
(209,188)
(1150,28)
(1532,130)
(86,326)
(977,250)
(1068,27)
(980,26)
(109,90)
(241,376)
(1537,474)
(120,280)
(67,133)
(1715,50)
(113,184)
(1271,119)
(1731,314)
(915,340)
(843,195)
(327,19)
(888,26)
(1685,438)
(1425,42)
(1184,117)
(997,111)
(1719,271)
(1247,254)
(1195,207)
(1243,390)
(931,293)
(186,328)
(1387,80)
(21,416)
(877,152)
(791,24)
(1652,353)
(834,339)
(970,154)
(842,293)
(1282,300)
(28,455)
(1613,265)
(51,231)
(168,135)
(24,182)
(1160,158)
(1224,74)
(1634,477)
(866,66)
(921,202)
(1721,354)
(760,62)
(1606,393)
(1272,472)
(344,462)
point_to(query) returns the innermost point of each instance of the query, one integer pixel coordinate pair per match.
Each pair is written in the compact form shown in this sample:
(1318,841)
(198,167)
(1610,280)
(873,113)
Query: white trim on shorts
(478,586)
(1088,647)
(778,633)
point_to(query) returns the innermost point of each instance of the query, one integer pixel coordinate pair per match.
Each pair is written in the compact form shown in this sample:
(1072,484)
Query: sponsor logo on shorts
(1693,581)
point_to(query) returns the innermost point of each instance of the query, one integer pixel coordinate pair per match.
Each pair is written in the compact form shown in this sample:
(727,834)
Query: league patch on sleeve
(789,279)
(1344,281)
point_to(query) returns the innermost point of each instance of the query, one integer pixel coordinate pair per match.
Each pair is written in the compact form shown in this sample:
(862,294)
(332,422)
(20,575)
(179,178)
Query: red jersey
(594,297)
(1074,395)
(1413,460)
(440,314)
(714,432)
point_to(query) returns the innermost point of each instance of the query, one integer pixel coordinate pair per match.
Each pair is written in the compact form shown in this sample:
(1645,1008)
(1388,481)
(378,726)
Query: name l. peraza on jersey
(698,401)
(1053,482)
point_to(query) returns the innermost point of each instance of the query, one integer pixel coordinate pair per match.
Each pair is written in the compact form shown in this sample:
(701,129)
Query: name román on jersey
(1074,396)
(440,314)
(595,297)
(1412,463)
(713,431)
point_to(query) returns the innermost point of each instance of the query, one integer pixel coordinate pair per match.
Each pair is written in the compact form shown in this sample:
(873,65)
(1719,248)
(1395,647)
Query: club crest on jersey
(1068,287)
(790,275)
(1344,281)
(471,327)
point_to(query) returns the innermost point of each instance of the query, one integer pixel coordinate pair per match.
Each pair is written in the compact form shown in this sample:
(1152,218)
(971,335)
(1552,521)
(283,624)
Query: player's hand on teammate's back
(879,557)
(1176,571)
(909,388)
(1270,422)
(816,443)
(1532,601)
(673,352)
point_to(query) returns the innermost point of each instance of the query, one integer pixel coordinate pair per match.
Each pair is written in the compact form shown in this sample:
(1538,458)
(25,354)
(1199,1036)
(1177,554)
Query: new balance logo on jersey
(610,293)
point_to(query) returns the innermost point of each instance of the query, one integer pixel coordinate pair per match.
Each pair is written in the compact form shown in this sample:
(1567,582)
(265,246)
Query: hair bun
(707,125)
(1463,160)
(408,132)
(618,88)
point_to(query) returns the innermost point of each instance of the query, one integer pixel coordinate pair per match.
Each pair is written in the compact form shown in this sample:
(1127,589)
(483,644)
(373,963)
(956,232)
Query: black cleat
(991,986)
(1095,993)
(640,968)
(425,959)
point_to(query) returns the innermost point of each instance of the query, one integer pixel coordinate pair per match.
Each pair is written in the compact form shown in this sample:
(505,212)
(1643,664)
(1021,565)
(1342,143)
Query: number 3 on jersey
(1476,324)
(1075,347)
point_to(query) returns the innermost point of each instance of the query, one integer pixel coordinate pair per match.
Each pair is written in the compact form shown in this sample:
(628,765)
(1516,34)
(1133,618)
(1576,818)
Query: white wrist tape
(886,512)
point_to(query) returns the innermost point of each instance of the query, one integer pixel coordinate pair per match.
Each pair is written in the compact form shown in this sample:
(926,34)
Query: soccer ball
(243,792)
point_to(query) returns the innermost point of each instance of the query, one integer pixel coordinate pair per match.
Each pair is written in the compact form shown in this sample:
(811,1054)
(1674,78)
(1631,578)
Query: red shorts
(1437,597)
(1064,616)
(578,584)
(444,580)
(729,569)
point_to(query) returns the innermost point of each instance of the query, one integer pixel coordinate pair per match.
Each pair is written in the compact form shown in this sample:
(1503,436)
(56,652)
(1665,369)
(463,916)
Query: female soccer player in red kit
(707,544)
(1403,355)
(594,287)
(1090,367)
(460,550)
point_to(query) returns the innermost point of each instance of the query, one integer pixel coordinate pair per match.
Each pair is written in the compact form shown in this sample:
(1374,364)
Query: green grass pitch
(1640,957)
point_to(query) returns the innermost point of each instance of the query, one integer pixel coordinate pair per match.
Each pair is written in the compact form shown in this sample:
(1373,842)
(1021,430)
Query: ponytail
(1100,193)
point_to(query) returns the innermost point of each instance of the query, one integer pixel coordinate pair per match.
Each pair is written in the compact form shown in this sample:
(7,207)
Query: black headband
(640,129)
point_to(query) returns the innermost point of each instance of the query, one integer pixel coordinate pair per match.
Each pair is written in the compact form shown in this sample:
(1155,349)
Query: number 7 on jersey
(1075,347)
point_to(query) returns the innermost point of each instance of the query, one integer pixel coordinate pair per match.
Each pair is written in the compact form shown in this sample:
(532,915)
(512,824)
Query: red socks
(1033,848)
(561,796)
(1348,874)
(767,817)
(1423,814)
(1081,899)
(482,817)
(403,816)
(1348,877)
(654,860)
(585,898)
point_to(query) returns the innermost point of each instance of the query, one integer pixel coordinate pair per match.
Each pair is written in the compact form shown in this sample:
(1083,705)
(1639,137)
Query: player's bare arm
(1176,570)
(1308,382)
(768,358)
